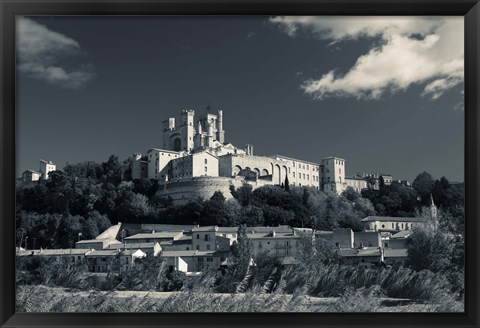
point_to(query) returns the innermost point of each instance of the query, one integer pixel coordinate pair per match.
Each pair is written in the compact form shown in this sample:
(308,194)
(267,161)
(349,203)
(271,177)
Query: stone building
(195,161)
(42,174)
(46,167)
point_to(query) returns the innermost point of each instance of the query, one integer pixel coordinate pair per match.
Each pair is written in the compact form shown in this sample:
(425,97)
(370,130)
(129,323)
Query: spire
(433,208)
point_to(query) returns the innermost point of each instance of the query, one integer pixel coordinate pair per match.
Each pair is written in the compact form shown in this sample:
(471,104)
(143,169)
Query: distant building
(367,256)
(46,167)
(390,223)
(29,176)
(153,237)
(394,256)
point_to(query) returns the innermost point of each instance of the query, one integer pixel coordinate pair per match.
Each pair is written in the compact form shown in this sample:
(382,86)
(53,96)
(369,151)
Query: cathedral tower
(187,130)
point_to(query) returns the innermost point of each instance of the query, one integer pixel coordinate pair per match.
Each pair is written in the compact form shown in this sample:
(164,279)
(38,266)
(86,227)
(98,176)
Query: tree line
(87,197)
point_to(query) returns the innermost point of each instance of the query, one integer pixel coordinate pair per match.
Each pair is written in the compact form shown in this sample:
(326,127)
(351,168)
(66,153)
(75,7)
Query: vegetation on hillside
(86,198)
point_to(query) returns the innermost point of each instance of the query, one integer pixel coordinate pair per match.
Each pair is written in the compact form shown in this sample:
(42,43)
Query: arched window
(206,162)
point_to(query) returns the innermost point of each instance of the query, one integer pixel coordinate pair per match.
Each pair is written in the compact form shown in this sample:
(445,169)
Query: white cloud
(412,50)
(41,55)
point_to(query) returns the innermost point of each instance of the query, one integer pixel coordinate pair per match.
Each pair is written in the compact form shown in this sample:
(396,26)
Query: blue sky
(386,94)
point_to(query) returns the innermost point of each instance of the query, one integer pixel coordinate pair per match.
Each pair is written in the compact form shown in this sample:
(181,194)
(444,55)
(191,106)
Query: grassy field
(56,299)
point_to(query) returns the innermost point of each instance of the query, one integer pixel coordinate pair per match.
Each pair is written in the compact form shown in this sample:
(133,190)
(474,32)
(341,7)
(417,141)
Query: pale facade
(139,167)
(158,160)
(387,223)
(356,184)
(332,175)
(300,173)
(30,176)
(274,244)
(46,167)
(194,165)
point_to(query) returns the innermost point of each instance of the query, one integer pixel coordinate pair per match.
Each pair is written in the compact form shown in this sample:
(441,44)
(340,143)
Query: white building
(46,167)
(196,150)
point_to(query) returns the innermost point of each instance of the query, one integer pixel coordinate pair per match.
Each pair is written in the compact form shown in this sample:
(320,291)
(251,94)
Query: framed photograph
(244,163)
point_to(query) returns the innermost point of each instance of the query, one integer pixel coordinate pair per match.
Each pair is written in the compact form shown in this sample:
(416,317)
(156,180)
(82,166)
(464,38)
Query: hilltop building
(195,160)
(29,176)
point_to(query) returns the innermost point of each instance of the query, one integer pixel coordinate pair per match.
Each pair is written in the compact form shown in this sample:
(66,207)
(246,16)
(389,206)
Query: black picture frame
(10,8)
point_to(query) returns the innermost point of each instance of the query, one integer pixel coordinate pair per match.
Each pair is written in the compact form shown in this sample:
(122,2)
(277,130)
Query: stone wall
(185,190)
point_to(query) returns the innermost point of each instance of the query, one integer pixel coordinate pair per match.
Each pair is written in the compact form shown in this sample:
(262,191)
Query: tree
(111,170)
(213,212)
(241,250)
(423,184)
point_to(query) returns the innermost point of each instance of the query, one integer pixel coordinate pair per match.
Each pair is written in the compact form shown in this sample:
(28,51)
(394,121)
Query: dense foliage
(86,197)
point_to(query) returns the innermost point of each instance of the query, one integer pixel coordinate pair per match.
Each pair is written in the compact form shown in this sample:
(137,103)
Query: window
(308,177)
(207,237)
(294,174)
(208,247)
(293,164)
(198,247)
(383,226)
(206,162)
(206,169)
(386,244)
(336,244)
(198,236)
(307,166)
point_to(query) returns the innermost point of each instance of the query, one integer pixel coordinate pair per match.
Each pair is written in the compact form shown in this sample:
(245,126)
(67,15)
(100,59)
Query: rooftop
(107,240)
(131,246)
(400,252)
(359,252)
(391,219)
(104,252)
(130,252)
(204,229)
(186,253)
(268,235)
(161,234)
(401,234)
(227,229)
(294,159)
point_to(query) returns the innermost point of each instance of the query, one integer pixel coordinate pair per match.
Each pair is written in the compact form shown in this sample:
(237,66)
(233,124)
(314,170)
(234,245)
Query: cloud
(405,51)
(47,55)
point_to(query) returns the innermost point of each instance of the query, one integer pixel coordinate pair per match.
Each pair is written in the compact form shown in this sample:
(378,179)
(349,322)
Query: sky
(384,93)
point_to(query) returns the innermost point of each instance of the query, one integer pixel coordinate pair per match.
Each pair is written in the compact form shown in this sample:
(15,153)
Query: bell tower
(187,130)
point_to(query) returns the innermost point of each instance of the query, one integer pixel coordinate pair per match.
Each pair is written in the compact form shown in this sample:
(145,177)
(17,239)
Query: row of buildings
(29,176)
(194,249)
(195,161)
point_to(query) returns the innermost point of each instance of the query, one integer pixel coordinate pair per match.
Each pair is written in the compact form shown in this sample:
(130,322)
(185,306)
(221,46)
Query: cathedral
(195,161)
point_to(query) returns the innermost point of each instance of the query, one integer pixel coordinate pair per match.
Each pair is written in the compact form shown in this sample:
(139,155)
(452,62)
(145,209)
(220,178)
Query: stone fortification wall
(185,190)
